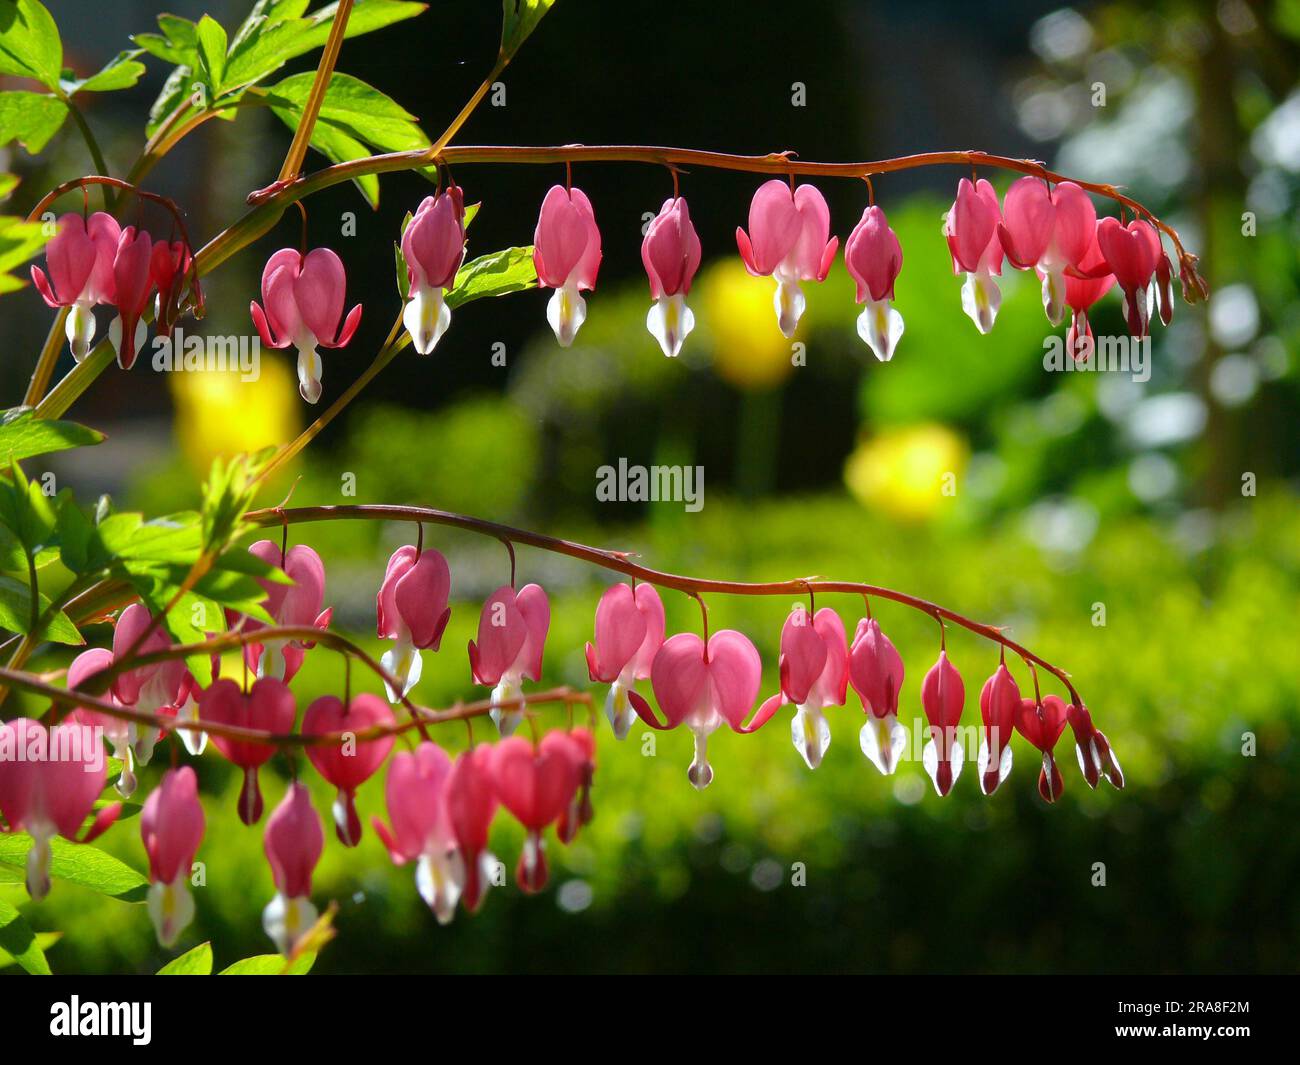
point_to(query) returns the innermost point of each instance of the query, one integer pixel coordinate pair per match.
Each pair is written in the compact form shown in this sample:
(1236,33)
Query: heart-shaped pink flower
(350,764)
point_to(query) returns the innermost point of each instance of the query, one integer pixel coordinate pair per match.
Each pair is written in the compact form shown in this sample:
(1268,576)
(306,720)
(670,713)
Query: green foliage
(19,944)
(120,72)
(271,965)
(195,962)
(77,863)
(29,43)
(30,118)
(518,20)
(20,241)
(23,435)
(495,274)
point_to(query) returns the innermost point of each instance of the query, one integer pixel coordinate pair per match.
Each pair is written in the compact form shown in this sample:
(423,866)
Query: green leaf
(29,42)
(212,46)
(79,863)
(16,613)
(8,182)
(120,72)
(508,270)
(178,43)
(19,942)
(30,118)
(519,19)
(23,435)
(196,962)
(271,965)
(20,241)
(44,941)
(25,510)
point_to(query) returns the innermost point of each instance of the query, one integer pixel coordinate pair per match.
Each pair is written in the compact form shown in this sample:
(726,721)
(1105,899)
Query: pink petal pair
(411,609)
(671,254)
(49,781)
(511,638)
(789,240)
(157,688)
(874,258)
(566,254)
(350,764)
(1084,286)
(132,283)
(814,668)
(304,296)
(471,805)
(293,843)
(297,604)
(79,258)
(702,686)
(537,786)
(269,705)
(117,732)
(1132,254)
(433,246)
(629,633)
(1041,722)
(1048,230)
(971,226)
(876,673)
(171,827)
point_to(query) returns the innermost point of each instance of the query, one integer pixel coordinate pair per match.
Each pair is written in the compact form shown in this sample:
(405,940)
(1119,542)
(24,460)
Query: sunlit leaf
(30,118)
(29,42)
(23,435)
(120,72)
(270,965)
(501,272)
(19,942)
(519,19)
(81,864)
(195,962)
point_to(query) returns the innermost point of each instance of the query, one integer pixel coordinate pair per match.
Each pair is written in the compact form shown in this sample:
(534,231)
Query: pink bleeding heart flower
(942,697)
(789,240)
(1096,757)
(411,609)
(971,226)
(671,254)
(417,798)
(1084,286)
(536,786)
(49,781)
(433,247)
(171,826)
(168,265)
(132,283)
(304,306)
(1132,253)
(566,254)
(350,764)
(1041,722)
(296,604)
(579,745)
(269,706)
(874,258)
(629,632)
(157,688)
(999,705)
(876,673)
(293,843)
(814,668)
(116,731)
(511,638)
(702,685)
(1047,230)
(471,805)
(80,260)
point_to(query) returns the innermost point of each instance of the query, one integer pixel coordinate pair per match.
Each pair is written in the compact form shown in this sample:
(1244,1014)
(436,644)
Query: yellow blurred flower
(219,414)
(748,348)
(907,472)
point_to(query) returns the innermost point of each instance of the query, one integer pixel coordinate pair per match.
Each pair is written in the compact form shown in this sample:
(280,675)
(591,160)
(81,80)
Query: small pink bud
(171,826)
(874,258)
(293,843)
(566,254)
(942,697)
(671,254)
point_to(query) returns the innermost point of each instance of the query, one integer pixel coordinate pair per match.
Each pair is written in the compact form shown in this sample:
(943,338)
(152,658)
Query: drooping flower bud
(433,246)
(580,746)
(511,638)
(269,705)
(157,688)
(293,844)
(296,604)
(629,633)
(116,731)
(171,826)
(1047,230)
(1085,284)
(79,258)
(671,254)
(999,705)
(1041,723)
(411,609)
(814,669)
(942,697)
(536,785)
(971,226)
(1131,254)
(566,254)
(132,280)
(1096,758)
(874,258)
(471,805)
(350,764)
(876,673)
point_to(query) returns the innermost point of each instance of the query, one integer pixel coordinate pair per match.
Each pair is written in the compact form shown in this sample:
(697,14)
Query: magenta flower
(268,705)
(168,265)
(416,794)
(132,283)
(297,604)
(433,246)
(511,637)
(1047,230)
(293,843)
(349,765)
(579,745)
(49,781)
(999,705)
(536,786)
(814,669)
(80,260)
(117,732)
(171,826)
(412,609)
(471,805)
(1093,281)
(701,686)
(788,240)
(1041,722)
(566,253)
(942,697)
(971,226)
(1132,253)
(629,632)
(671,254)
(874,257)
(155,689)
(304,305)
(876,673)
(1096,757)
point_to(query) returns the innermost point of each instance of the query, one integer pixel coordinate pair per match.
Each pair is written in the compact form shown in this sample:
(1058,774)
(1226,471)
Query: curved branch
(619,562)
